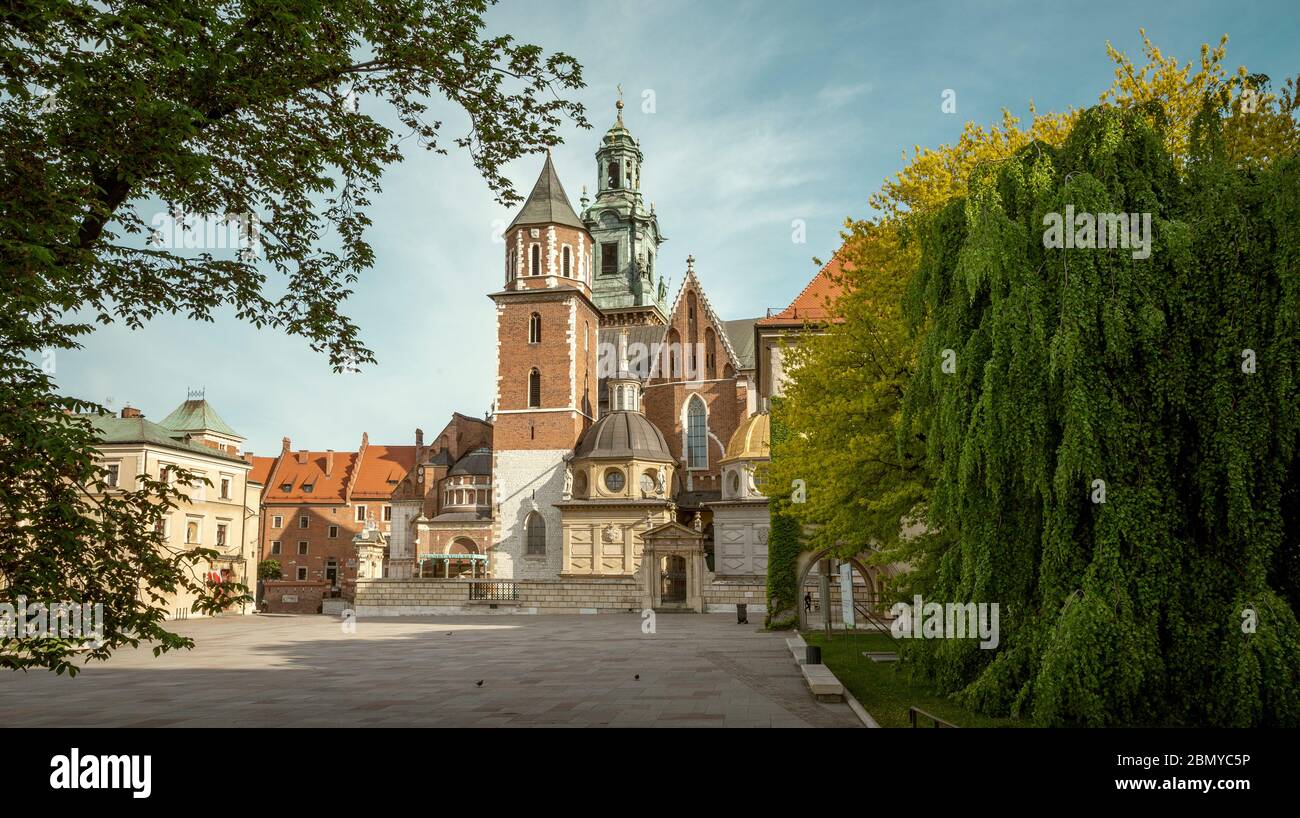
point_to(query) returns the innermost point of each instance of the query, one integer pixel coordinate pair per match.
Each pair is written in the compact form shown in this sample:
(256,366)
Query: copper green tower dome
(625,233)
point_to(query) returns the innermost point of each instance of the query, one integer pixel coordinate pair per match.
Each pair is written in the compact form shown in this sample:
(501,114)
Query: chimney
(131,412)
(284,445)
(419,438)
(302,457)
(329,462)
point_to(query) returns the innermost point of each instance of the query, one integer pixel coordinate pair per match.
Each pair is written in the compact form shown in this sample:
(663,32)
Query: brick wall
(664,405)
(281,596)
(321,547)
(565,357)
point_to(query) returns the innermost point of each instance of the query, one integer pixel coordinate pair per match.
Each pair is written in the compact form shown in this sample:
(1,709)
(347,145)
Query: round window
(614,480)
(648,482)
(735,484)
(580,482)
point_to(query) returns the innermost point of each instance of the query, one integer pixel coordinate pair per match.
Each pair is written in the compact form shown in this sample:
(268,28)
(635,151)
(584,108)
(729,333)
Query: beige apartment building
(222,516)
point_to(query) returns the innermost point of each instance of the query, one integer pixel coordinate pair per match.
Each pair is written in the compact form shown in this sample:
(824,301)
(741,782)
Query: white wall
(525,481)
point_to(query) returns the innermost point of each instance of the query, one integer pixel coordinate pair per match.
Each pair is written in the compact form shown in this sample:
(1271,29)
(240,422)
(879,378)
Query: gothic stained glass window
(697,451)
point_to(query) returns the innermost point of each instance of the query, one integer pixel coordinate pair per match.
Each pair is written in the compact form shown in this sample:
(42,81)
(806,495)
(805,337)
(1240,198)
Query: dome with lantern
(750,446)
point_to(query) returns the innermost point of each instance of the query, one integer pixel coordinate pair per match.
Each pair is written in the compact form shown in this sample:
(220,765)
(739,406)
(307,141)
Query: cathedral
(625,429)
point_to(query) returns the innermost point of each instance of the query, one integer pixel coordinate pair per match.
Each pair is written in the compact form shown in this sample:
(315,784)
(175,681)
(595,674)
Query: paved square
(571,671)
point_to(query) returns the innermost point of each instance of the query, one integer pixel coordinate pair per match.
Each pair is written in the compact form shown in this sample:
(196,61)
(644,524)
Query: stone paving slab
(553,671)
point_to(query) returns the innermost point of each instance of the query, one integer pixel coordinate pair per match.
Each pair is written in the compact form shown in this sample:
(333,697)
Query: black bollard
(742,614)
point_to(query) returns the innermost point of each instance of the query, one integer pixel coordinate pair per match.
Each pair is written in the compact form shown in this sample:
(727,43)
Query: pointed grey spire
(548,203)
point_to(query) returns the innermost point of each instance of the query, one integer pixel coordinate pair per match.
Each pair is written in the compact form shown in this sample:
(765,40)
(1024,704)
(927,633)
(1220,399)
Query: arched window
(672,360)
(535,328)
(567,263)
(613,175)
(534,389)
(710,357)
(697,432)
(536,268)
(536,528)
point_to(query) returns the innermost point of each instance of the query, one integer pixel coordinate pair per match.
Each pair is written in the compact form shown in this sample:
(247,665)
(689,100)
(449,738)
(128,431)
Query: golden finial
(619,104)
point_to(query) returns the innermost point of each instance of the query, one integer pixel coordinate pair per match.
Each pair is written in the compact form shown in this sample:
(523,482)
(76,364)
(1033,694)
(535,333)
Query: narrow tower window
(613,175)
(535,329)
(609,258)
(567,263)
(536,268)
(534,389)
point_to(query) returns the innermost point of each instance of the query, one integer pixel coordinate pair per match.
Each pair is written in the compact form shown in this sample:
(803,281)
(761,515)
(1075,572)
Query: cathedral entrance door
(674,579)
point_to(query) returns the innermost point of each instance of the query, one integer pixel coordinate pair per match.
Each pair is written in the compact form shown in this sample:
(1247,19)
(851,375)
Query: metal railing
(914,712)
(493,590)
(867,612)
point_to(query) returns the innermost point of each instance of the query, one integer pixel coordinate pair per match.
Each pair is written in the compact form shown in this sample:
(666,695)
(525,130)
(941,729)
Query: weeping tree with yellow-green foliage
(1132,610)
(1115,450)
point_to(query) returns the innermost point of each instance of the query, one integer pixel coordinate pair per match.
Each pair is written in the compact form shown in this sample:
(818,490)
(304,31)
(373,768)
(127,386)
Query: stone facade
(740,533)
(527,482)
(223,516)
(428,597)
(391,597)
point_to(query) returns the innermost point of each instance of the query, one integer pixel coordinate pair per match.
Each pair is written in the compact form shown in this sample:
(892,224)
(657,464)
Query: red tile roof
(382,468)
(331,488)
(261,468)
(814,303)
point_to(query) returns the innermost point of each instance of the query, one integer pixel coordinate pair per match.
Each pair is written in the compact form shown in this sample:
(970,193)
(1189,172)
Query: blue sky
(765,112)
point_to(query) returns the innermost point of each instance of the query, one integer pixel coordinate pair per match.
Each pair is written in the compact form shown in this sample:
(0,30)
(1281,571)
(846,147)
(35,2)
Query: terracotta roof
(261,468)
(331,488)
(382,468)
(814,303)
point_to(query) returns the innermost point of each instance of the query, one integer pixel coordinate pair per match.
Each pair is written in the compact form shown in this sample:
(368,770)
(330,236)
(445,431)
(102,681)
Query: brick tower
(547,334)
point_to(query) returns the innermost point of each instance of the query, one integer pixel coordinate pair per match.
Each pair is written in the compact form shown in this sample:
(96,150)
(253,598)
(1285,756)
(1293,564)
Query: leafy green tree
(848,437)
(269,569)
(1113,450)
(218,108)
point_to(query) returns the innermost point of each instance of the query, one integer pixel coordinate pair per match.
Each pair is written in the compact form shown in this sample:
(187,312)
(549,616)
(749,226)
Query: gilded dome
(623,435)
(752,439)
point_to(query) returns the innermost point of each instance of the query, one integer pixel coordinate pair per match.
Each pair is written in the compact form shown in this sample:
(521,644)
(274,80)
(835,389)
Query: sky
(764,113)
